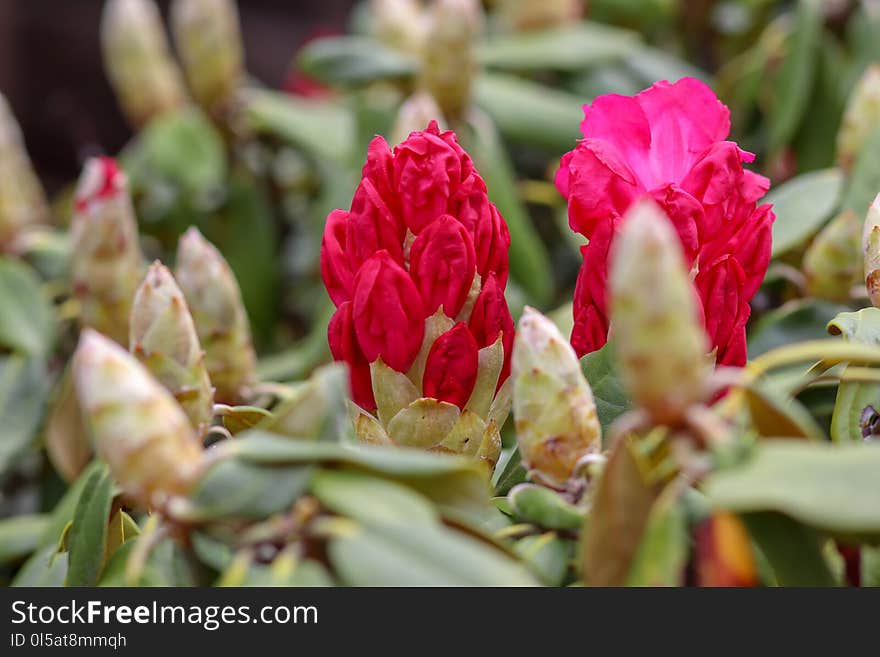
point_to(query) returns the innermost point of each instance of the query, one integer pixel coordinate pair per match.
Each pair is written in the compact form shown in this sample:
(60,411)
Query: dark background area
(52,73)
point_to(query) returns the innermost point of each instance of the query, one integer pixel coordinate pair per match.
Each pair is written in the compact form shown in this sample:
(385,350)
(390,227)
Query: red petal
(372,227)
(442,265)
(335,269)
(344,347)
(389,318)
(451,367)
(725,309)
(110,182)
(490,317)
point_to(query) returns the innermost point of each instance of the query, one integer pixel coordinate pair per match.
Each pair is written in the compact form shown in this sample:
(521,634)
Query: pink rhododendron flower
(669,142)
(420,237)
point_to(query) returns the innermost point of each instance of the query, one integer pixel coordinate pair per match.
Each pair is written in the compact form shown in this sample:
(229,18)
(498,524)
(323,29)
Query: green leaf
(236,488)
(20,535)
(321,128)
(371,500)
(425,555)
(27,323)
(529,261)
(544,507)
(241,418)
(24,386)
(608,393)
(794,82)
(652,64)
(182,147)
(854,397)
(792,550)
(88,534)
(613,532)
(570,48)
(63,512)
(663,552)
(831,488)
(796,321)
(46,567)
(861,326)
(509,472)
(167,565)
(530,113)
(547,555)
(353,61)
(802,206)
(776,415)
(864,179)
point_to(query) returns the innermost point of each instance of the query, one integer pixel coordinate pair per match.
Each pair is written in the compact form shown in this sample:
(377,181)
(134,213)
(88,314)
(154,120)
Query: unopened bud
(449,59)
(860,118)
(163,337)
(22,200)
(208,37)
(416,112)
(661,344)
(138,429)
(399,24)
(871,251)
(106,260)
(221,320)
(832,263)
(556,421)
(138,61)
(521,15)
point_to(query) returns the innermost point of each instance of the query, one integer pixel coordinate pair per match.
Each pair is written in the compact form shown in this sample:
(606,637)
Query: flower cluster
(669,143)
(417,269)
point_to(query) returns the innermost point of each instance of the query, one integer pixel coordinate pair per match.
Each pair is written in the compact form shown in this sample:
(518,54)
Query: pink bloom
(669,142)
(421,236)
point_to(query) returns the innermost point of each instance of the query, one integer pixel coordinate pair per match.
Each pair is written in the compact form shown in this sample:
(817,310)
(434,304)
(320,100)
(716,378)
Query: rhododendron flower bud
(138,60)
(723,553)
(106,263)
(556,421)
(539,14)
(860,118)
(667,143)
(871,251)
(416,268)
(655,314)
(449,59)
(22,200)
(399,24)
(418,110)
(221,320)
(137,427)
(832,263)
(208,37)
(163,337)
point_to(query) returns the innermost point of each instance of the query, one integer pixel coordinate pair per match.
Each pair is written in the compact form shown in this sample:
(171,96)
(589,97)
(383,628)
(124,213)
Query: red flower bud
(451,368)
(442,264)
(427,173)
(485,223)
(490,317)
(344,346)
(109,182)
(389,317)
(371,227)
(335,269)
(725,309)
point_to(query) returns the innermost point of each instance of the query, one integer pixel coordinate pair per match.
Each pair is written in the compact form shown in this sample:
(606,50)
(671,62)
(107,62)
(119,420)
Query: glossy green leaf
(24,387)
(663,552)
(509,472)
(832,488)
(611,399)
(792,550)
(27,323)
(569,48)
(88,534)
(547,555)
(544,507)
(802,205)
(853,398)
(20,535)
(46,567)
(425,555)
(349,60)
(864,179)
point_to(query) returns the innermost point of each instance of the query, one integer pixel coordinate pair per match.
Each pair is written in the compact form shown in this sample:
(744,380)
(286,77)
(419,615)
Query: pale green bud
(556,421)
(106,262)
(399,24)
(871,251)
(138,60)
(832,263)
(860,118)
(138,429)
(22,200)
(163,337)
(416,112)
(221,320)
(661,344)
(208,37)
(449,58)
